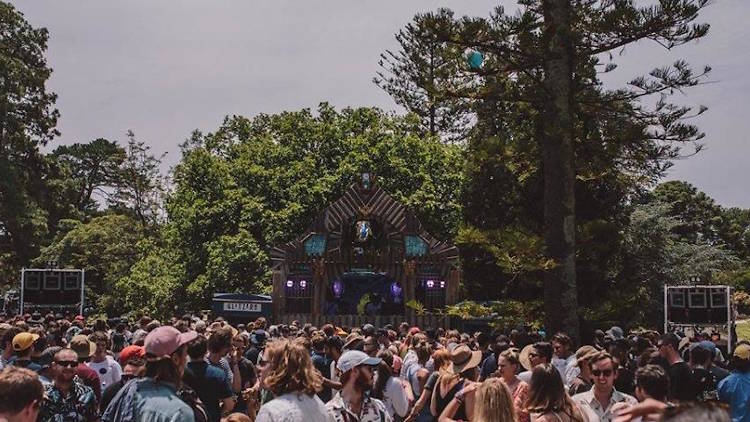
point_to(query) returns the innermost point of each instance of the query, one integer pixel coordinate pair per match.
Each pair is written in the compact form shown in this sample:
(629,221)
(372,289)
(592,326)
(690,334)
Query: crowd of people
(64,368)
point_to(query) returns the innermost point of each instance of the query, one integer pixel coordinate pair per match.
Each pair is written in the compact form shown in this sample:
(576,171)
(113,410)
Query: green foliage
(501,315)
(255,183)
(27,119)
(416,306)
(105,247)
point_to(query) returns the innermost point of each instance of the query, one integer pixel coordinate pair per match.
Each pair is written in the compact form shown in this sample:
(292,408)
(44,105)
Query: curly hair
(291,369)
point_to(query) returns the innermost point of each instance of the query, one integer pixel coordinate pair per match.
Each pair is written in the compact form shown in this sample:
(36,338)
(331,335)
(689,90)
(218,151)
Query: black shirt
(681,382)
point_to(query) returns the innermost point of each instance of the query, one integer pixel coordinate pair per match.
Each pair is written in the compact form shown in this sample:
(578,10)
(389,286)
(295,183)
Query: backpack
(705,384)
(190,397)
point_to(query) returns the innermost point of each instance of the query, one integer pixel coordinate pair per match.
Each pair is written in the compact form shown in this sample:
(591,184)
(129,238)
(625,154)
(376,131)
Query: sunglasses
(605,372)
(67,363)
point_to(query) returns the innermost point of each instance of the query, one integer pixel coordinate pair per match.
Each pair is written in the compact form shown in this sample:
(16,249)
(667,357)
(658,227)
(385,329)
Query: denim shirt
(735,390)
(146,400)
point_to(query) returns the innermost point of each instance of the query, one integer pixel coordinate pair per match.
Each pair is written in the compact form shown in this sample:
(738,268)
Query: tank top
(442,402)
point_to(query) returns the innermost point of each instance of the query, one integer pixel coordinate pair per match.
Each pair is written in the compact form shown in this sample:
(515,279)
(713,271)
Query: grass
(743,330)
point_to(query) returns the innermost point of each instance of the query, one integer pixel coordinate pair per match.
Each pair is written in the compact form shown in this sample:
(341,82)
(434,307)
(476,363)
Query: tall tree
(27,120)
(419,76)
(543,63)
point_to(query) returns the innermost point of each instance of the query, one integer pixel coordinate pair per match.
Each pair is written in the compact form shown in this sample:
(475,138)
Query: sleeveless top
(442,402)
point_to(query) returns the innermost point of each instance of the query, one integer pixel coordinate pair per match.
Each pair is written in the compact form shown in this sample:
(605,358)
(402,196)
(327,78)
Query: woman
(291,377)
(548,401)
(389,389)
(453,397)
(421,410)
(508,365)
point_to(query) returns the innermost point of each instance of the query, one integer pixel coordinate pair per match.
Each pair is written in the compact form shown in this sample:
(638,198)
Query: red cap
(80,318)
(131,352)
(414,330)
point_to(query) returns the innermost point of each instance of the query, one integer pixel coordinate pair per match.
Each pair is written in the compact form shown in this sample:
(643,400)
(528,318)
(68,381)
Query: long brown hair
(291,369)
(547,394)
(384,374)
(493,402)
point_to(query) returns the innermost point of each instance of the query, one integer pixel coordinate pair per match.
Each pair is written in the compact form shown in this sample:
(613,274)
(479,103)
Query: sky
(163,68)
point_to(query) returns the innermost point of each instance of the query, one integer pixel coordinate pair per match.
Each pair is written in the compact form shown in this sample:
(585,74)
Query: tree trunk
(560,292)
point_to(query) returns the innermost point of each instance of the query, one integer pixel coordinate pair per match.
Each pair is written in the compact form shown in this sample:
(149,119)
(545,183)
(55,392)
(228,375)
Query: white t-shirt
(109,371)
(294,407)
(394,398)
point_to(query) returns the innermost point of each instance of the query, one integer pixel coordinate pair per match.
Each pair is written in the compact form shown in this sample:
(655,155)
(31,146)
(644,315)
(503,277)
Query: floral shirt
(78,406)
(373,410)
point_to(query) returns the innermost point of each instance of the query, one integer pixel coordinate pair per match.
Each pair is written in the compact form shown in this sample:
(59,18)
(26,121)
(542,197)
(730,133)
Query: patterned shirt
(373,410)
(78,406)
(587,400)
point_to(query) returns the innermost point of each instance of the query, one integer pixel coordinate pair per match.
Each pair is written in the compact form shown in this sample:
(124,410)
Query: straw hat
(464,358)
(524,358)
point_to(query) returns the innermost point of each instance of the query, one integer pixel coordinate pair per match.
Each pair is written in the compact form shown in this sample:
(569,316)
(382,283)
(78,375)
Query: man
(219,346)
(680,375)
(6,343)
(539,353)
(134,368)
(581,373)
(23,344)
(371,346)
(321,362)
(352,404)
(735,389)
(563,358)
(333,348)
(105,366)
(209,382)
(154,397)
(651,382)
(603,395)
(67,395)
(21,395)
(704,381)
(84,349)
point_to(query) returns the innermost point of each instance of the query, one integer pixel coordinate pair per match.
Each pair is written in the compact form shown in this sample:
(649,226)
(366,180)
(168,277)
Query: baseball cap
(353,358)
(616,333)
(82,346)
(131,352)
(163,341)
(742,351)
(23,341)
(48,355)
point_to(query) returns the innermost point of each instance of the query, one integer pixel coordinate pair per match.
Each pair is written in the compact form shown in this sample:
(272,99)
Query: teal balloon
(475,59)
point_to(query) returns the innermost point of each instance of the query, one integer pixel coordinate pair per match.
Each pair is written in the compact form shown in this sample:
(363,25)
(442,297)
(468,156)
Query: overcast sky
(163,68)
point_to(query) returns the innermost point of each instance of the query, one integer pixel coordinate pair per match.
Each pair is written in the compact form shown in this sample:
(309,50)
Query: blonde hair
(494,403)
(291,369)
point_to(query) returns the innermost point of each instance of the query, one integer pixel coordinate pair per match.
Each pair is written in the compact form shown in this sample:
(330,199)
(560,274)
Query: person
(104,365)
(333,349)
(352,403)
(493,403)
(134,368)
(582,380)
(21,395)
(67,395)
(508,365)
(453,397)
(735,389)
(84,349)
(154,397)
(420,412)
(651,382)
(219,348)
(6,343)
(680,375)
(209,382)
(603,395)
(682,412)
(562,356)
(548,401)
(290,376)
(322,363)
(248,375)
(704,381)
(390,389)
(23,344)
(539,353)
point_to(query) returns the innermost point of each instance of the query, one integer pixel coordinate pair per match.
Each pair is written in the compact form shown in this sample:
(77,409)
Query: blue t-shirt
(735,390)
(211,385)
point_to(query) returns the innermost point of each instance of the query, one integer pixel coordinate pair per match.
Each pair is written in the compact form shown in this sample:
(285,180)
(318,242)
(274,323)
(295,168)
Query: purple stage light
(289,283)
(430,284)
(442,284)
(303,284)
(396,289)
(338,288)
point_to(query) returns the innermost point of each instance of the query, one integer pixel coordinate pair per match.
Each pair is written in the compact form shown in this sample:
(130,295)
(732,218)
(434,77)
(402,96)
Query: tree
(140,186)
(91,168)
(255,183)
(27,120)
(543,65)
(419,75)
